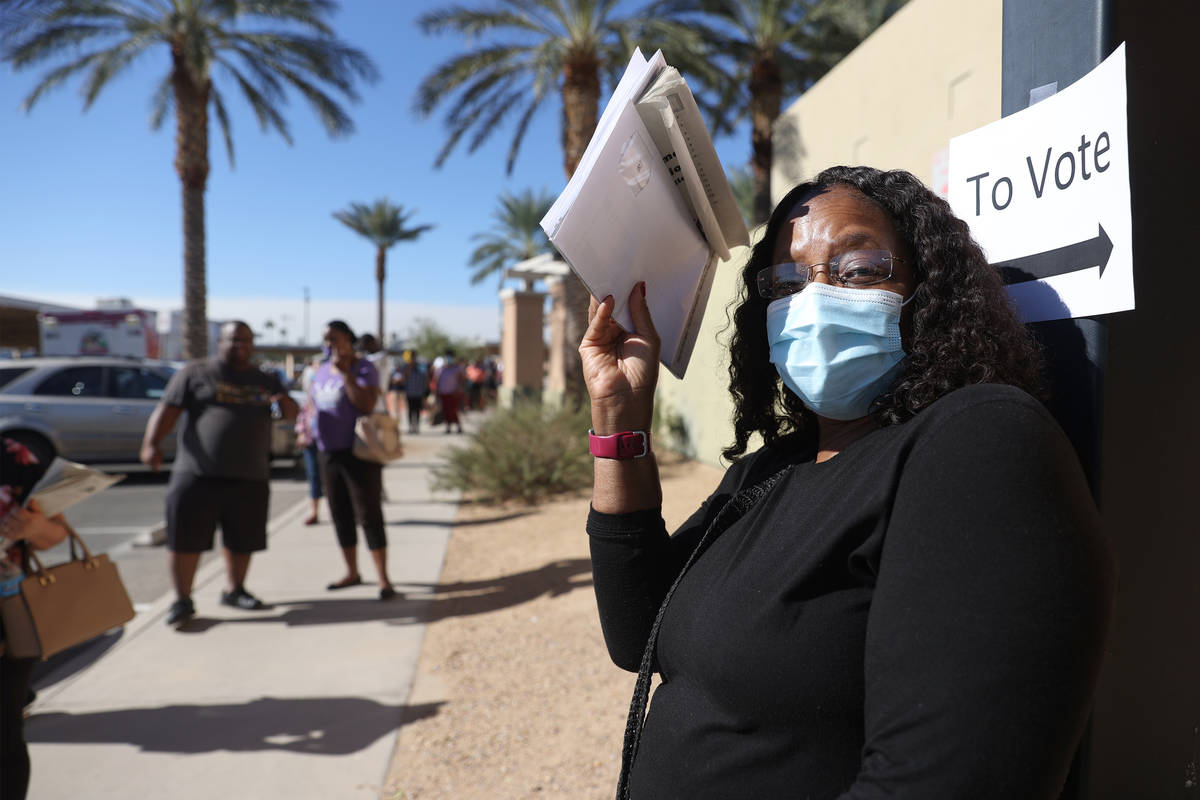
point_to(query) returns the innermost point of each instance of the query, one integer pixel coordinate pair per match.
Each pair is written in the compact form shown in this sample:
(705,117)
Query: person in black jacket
(917,606)
(22,526)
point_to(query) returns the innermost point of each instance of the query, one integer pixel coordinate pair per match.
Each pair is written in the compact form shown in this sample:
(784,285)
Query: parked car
(90,409)
(283,431)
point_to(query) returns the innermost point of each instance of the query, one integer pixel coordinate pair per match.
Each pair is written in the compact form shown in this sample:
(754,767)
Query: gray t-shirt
(226,428)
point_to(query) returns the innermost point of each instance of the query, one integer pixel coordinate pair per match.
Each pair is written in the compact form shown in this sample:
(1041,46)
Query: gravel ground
(515,695)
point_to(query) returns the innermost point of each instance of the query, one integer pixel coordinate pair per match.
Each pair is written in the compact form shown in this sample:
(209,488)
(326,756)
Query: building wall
(931,73)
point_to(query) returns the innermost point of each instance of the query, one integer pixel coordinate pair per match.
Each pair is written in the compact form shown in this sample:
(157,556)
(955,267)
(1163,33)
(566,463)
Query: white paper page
(695,187)
(627,227)
(66,483)
(638,75)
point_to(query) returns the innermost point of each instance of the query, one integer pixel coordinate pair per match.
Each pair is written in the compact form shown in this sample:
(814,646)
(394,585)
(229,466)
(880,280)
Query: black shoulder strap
(733,510)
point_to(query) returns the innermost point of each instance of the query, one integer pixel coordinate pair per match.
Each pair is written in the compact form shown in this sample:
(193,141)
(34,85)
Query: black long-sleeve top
(922,616)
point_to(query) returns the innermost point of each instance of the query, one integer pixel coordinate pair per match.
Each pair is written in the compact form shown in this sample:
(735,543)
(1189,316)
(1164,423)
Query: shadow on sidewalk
(331,726)
(458,599)
(70,661)
(465,598)
(441,523)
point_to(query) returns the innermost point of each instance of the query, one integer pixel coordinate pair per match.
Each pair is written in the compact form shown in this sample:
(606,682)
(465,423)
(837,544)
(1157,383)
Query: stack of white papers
(649,202)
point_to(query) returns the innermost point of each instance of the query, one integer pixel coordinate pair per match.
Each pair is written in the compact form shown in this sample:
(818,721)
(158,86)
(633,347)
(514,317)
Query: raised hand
(620,368)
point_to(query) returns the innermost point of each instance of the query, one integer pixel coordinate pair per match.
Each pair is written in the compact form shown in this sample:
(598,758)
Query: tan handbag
(65,605)
(377,438)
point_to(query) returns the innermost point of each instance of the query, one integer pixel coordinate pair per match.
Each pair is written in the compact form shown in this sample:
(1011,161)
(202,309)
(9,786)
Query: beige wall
(932,72)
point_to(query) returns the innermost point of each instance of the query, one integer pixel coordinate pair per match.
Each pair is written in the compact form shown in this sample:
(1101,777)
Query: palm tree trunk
(195,290)
(580,96)
(191,162)
(380,274)
(766,97)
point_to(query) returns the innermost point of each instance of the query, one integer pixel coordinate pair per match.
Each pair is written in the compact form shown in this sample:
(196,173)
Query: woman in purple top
(344,388)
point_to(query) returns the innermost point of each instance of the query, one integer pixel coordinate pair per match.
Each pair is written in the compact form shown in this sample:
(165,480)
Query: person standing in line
(475,379)
(491,381)
(22,528)
(416,389)
(395,390)
(449,382)
(369,347)
(308,444)
(344,388)
(912,593)
(222,466)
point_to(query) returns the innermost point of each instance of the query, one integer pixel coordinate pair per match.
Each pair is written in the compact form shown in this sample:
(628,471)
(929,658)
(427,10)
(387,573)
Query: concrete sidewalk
(303,700)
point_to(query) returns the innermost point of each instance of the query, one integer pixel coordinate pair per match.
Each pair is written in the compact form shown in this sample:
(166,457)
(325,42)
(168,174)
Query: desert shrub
(524,453)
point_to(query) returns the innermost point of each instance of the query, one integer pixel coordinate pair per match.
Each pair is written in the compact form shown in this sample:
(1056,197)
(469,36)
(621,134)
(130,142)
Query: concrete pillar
(521,345)
(556,376)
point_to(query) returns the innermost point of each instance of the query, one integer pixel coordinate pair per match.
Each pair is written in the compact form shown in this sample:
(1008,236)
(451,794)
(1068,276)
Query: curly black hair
(963,329)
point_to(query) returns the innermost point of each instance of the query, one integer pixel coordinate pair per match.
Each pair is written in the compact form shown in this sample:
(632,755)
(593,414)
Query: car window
(77,381)
(137,383)
(9,374)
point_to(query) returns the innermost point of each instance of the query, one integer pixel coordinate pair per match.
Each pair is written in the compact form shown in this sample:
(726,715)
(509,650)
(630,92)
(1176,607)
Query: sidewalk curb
(61,678)
(152,536)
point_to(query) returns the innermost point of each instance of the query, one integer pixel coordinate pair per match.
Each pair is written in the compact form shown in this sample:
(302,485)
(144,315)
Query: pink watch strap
(621,446)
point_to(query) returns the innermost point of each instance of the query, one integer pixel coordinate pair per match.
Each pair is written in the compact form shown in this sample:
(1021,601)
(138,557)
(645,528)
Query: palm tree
(562,47)
(515,236)
(384,224)
(764,51)
(260,46)
(741,181)
(535,49)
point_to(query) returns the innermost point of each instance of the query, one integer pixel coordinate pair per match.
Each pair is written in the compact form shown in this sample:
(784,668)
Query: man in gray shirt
(222,465)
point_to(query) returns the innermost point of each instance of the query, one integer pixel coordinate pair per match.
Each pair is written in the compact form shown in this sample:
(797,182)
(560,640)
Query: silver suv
(90,409)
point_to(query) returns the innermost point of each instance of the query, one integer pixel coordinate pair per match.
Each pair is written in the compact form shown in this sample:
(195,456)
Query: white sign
(1046,193)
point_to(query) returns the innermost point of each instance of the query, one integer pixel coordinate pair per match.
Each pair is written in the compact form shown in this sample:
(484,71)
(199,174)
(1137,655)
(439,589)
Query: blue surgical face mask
(326,352)
(835,347)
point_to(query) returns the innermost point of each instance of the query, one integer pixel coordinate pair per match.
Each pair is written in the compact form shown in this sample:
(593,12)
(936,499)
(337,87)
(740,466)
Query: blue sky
(90,202)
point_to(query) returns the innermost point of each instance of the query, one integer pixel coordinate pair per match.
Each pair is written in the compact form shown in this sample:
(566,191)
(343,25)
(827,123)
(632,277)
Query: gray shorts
(196,504)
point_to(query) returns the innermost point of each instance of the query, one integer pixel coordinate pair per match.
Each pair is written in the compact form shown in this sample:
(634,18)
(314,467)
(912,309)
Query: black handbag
(734,509)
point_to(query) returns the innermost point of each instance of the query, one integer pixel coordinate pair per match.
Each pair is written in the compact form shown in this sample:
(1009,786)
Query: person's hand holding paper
(626,216)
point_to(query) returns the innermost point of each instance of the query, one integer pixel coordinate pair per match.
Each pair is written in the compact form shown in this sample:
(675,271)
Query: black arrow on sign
(1072,258)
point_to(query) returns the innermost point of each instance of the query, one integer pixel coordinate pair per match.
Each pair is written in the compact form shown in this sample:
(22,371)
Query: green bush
(524,453)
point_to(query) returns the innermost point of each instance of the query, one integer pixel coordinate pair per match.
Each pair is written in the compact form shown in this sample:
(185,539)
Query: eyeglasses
(855,268)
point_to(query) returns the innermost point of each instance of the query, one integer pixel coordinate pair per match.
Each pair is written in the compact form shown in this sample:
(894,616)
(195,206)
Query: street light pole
(306,315)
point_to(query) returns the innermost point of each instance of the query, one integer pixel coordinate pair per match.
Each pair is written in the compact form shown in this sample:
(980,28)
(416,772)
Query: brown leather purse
(64,605)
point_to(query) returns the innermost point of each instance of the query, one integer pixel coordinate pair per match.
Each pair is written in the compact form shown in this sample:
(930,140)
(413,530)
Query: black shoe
(181,611)
(387,593)
(345,584)
(240,598)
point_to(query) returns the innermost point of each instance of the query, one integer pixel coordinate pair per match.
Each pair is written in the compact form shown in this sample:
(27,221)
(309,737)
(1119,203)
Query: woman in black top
(917,607)
(21,526)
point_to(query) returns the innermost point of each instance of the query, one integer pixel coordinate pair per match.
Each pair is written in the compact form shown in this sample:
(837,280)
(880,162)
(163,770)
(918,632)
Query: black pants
(14,756)
(414,405)
(354,491)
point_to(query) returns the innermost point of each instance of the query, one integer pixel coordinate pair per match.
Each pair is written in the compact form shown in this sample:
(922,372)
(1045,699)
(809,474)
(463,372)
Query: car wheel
(37,444)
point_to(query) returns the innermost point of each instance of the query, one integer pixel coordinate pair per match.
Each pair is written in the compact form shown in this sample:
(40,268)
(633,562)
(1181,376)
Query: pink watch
(621,446)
